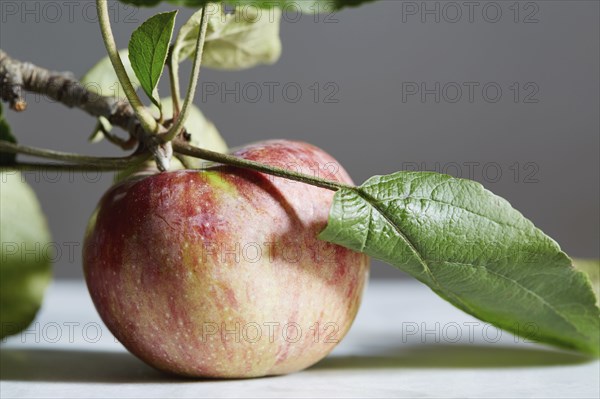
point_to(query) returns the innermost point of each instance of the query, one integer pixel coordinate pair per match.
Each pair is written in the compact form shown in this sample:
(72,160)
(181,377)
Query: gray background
(370,54)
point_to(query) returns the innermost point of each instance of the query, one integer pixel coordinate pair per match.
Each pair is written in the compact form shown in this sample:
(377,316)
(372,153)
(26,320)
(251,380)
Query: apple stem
(232,160)
(148,123)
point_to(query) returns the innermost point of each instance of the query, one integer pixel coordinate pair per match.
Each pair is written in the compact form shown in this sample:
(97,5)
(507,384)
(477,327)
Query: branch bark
(17,76)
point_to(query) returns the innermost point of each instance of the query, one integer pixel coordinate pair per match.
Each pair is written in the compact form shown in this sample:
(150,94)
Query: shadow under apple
(121,367)
(452,356)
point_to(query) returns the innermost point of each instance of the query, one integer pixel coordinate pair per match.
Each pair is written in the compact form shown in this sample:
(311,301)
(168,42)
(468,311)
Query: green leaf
(102,79)
(474,250)
(233,41)
(148,50)
(6,135)
(591,267)
(25,251)
(306,5)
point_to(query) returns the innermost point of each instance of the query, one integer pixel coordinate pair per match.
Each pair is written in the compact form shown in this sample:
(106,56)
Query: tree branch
(63,88)
(16,76)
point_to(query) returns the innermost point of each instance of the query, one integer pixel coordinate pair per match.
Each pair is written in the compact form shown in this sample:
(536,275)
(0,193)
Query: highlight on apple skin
(219,272)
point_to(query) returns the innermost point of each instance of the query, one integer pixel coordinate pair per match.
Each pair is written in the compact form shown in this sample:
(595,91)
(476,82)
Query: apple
(219,272)
(25,268)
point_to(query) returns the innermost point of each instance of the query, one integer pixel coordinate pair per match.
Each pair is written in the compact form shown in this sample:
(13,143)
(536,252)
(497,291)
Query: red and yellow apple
(219,272)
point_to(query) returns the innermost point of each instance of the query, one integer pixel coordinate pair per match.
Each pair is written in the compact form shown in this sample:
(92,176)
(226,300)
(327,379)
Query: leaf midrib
(524,288)
(374,203)
(399,198)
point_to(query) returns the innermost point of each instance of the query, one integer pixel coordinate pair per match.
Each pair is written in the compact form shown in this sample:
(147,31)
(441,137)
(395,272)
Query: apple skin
(215,273)
(24,275)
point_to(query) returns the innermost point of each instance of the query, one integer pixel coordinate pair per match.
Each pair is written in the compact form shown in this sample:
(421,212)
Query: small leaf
(233,41)
(148,50)
(25,268)
(591,267)
(6,158)
(102,79)
(474,250)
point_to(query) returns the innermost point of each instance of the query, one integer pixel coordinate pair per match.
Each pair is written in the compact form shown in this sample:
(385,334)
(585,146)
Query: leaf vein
(527,290)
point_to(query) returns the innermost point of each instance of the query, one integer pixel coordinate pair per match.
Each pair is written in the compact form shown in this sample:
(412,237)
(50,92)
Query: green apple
(25,268)
(591,267)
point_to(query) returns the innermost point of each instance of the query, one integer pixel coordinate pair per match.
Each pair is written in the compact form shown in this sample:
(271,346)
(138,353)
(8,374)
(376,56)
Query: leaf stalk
(146,120)
(76,159)
(177,127)
(232,160)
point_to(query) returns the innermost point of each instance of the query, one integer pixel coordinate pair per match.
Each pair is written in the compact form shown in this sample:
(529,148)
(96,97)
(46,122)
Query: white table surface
(404,343)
